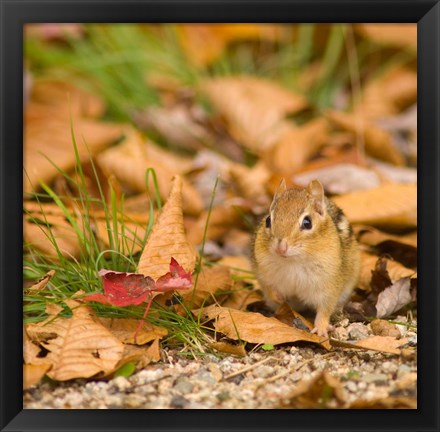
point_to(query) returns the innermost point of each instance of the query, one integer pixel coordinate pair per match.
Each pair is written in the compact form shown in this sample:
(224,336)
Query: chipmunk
(305,253)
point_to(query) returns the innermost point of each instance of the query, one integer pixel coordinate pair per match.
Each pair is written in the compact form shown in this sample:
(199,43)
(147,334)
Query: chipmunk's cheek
(295,250)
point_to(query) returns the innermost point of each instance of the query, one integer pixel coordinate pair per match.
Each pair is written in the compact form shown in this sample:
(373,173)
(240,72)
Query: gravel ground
(260,380)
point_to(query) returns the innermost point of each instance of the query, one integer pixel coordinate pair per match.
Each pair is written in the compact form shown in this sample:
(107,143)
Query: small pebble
(351,386)
(357,331)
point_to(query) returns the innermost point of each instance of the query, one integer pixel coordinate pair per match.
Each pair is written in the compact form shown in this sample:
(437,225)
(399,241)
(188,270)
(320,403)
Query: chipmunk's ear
(281,188)
(316,190)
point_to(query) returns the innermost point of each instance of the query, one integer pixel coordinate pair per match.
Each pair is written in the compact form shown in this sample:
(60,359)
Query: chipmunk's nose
(281,248)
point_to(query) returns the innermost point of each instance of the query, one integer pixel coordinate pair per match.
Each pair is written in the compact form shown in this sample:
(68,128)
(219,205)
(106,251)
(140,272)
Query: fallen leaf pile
(240,134)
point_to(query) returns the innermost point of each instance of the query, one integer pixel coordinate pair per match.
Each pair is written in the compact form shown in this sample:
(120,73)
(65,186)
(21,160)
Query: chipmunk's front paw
(322,329)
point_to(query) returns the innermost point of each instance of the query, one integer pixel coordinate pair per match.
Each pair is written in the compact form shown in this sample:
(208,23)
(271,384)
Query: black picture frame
(15,13)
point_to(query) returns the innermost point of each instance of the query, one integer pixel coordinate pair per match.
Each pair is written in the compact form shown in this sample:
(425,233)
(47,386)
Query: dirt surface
(260,380)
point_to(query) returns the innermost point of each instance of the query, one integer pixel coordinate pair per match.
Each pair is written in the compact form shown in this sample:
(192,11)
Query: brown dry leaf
(177,125)
(391,402)
(211,281)
(388,94)
(389,205)
(377,271)
(381,327)
(31,350)
(256,328)
(402,248)
(237,242)
(153,351)
(33,373)
(65,96)
(386,344)
(48,142)
(228,348)
(168,239)
(396,271)
(42,283)
(397,35)
(392,173)
(124,329)
(296,145)
(140,355)
(289,316)
(251,182)
(346,154)
(37,234)
(240,298)
(78,347)
(341,178)
(240,267)
(254,109)
(322,391)
(222,219)
(394,298)
(204,43)
(378,142)
(130,160)
(373,237)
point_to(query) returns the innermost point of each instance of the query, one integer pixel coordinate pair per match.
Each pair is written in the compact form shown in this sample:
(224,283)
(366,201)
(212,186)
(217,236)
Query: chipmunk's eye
(268,224)
(306,223)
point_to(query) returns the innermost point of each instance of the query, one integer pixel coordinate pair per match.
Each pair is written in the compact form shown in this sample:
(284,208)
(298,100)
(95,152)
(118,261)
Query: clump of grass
(73,275)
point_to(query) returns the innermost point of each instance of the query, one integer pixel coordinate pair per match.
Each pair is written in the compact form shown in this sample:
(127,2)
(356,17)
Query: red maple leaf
(124,289)
(176,278)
